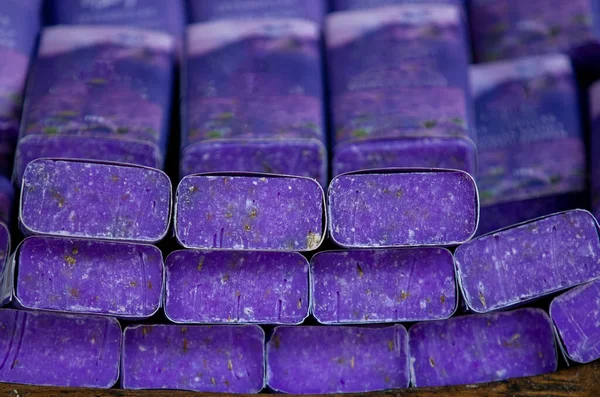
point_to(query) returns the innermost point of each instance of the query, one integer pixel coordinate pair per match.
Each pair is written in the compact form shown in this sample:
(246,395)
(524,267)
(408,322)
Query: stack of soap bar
(222,359)
(594,104)
(87,276)
(7,196)
(530,139)
(515,28)
(236,287)
(326,360)
(576,315)
(98,92)
(375,286)
(49,349)
(254,98)
(249,213)
(404,208)
(534,259)
(94,200)
(482,348)
(18,35)
(345,5)
(398,79)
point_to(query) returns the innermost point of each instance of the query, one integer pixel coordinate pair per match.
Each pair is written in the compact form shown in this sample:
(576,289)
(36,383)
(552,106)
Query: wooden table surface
(579,381)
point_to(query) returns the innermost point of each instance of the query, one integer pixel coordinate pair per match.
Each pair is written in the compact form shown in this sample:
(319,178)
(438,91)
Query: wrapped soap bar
(482,348)
(381,286)
(51,349)
(576,315)
(232,212)
(7,197)
(346,5)
(514,28)
(236,287)
(254,98)
(327,360)
(88,276)
(221,359)
(534,259)
(398,78)
(396,208)
(98,92)
(530,138)
(95,200)
(19,28)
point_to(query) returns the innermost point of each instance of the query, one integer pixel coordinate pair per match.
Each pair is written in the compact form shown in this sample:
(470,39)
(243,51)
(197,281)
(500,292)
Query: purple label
(345,5)
(530,139)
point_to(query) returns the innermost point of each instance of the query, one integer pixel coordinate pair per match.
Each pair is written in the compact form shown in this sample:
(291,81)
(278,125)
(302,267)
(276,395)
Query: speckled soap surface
(323,360)
(76,199)
(403,209)
(50,349)
(374,286)
(576,315)
(482,348)
(236,287)
(220,359)
(86,276)
(249,213)
(528,261)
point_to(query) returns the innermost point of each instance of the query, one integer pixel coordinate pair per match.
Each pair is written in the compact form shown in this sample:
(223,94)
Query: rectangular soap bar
(249,213)
(534,259)
(99,92)
(254,98)
(346,5)
(87,276)
(95,200)
(576,315)
(530,138)
(19,28)
(382,286)
(482,348)
(514,28)
(221,359)
(51,349)
(327,360)
(7,198)
(402,208)
(236,287)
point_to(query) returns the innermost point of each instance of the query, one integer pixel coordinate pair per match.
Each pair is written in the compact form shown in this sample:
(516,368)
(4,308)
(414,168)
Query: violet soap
(236,287)
(219,359)
(95,200)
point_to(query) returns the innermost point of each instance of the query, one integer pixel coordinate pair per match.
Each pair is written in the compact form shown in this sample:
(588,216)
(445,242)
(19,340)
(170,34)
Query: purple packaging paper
(220,359)
(257,212)
(327,360)
(7,197)
(347,5)
(528,261)
(514,28)
(576,317)
(110,85)
(19,28)
(482,348)
(254,99)
(213,287)
(530,139)
(400,208)
(51,349)
(381,286)
(594,103)
(95,200)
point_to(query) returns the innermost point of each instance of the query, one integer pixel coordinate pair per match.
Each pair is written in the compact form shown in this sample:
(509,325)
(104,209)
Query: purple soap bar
(482,348)
(50,349)
(221,359)
(99,92)
(326,360)
(95,200)
(86,276)
(249,213)
(576,315)
(7,197)
(254,98)
(514,28)
(537,258)
(236,287)
(403,208)
(346,5)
